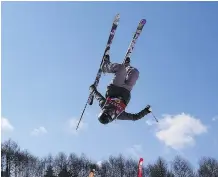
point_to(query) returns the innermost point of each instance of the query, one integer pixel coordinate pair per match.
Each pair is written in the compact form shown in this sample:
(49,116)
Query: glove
(148,109)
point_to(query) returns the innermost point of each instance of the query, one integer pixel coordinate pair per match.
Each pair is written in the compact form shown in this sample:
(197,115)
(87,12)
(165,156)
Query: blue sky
(50,55)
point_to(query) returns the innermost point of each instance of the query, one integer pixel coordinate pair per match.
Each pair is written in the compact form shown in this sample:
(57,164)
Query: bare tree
(3,160)
(40,168)
(28,163)
(60,162)
(64,172)
(158,169)
(131,168)
(113,169)
(118,165)
(49,160)
(104,169)
(49,172)
(208,167)
(17,163)
(9,150)
(20,163)
(74,165)
(32,165)
(85,165)
(182,168)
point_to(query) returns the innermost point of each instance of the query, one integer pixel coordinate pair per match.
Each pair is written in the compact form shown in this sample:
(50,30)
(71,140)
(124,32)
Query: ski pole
(81,115)
(83,112)
(154,117)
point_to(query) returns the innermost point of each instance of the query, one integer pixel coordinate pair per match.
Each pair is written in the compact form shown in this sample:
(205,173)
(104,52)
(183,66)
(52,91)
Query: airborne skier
(125,77)
(118,92)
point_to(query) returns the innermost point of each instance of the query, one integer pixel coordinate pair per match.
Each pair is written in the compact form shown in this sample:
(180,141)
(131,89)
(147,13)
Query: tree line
(21,163)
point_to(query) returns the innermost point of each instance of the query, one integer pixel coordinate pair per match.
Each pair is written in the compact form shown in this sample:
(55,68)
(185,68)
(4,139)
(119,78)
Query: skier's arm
(133,117)
(98,96)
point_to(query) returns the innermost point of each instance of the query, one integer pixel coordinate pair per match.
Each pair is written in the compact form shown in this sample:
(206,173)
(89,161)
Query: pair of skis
(109,42)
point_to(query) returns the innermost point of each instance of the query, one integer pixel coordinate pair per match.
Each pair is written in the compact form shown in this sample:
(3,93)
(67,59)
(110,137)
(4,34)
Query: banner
(140,167)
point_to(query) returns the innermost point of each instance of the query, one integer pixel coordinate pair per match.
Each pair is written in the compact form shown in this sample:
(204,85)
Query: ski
(109,42)
(134,39)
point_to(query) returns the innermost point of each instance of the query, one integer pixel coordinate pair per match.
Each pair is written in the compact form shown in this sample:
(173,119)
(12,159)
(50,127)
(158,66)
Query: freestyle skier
(125,77)
(118,92)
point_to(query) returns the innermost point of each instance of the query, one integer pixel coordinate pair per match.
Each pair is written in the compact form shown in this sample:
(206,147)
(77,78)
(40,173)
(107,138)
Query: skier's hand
(148,108)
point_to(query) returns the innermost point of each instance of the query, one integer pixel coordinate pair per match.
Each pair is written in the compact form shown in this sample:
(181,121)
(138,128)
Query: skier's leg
(98,96)
(131,77)
(107,66)
(119,76)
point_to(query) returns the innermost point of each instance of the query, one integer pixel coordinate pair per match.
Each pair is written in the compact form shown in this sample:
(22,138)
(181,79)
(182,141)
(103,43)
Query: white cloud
(135,151)
(215,118)
(179,131)
(73,124)
(39,131)
(6,125)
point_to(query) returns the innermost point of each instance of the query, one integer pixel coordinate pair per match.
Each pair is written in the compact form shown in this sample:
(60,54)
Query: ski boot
(106,58)
(107,54)
(127,60)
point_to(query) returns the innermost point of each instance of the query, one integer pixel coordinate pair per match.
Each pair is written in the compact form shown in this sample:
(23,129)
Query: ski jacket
(124,115)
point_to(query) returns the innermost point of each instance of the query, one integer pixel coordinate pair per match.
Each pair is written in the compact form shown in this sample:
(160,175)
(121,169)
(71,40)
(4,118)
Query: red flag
(140,167)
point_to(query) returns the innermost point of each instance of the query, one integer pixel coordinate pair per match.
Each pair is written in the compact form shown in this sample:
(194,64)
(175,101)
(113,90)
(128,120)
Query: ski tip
(118,15)
(117,19)
(143,21)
